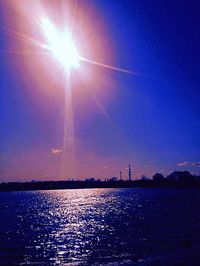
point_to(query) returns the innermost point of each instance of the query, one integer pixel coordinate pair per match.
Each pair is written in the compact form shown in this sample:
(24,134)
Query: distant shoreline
(55,185)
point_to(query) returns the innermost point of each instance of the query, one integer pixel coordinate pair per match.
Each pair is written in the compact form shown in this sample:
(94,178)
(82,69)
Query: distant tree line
(175,179)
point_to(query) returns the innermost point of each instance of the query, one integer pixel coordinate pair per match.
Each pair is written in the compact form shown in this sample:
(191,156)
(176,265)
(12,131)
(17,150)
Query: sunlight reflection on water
(94,226)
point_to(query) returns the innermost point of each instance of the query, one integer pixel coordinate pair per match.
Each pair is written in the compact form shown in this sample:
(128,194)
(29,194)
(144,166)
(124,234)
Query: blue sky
(152,122)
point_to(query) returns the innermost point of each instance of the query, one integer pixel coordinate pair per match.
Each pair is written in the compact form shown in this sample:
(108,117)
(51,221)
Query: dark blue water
(100,227)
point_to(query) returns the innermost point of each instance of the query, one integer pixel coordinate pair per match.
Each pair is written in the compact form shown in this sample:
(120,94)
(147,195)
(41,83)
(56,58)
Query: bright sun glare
(61,45)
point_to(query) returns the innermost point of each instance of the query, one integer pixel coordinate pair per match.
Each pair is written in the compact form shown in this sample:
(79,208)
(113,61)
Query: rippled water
(100,227)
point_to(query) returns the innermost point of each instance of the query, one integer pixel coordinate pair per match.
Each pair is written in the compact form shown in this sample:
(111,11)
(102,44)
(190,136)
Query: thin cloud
(196,164)
(182,164)
(55,151)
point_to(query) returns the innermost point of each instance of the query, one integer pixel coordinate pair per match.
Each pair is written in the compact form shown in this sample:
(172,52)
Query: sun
(61,45)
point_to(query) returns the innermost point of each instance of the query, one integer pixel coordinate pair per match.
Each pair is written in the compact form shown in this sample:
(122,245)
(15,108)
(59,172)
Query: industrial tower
(129,173)
(120,175)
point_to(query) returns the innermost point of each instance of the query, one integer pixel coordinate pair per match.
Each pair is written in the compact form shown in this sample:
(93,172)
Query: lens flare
(61,45)
(47,40)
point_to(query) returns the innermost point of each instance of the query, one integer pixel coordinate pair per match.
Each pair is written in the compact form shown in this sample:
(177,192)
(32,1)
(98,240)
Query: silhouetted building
(143,177)
(113,179)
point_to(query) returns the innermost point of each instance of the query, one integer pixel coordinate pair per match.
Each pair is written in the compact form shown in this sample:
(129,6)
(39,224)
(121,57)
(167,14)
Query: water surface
(100,227)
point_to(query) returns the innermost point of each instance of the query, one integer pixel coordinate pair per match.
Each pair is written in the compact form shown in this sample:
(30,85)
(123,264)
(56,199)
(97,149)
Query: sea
(100,227)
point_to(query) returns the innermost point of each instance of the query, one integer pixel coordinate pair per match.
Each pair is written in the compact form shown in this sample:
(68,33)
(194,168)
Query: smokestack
(120,175)
(129,173)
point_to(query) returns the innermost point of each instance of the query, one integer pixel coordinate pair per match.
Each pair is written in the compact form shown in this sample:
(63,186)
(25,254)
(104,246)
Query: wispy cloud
(182,164)
(56,151)
(196,164)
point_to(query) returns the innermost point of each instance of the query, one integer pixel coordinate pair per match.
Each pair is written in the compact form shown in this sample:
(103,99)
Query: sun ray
(113,68)
(96,99)
(23,36)
(24,53)
(68,163)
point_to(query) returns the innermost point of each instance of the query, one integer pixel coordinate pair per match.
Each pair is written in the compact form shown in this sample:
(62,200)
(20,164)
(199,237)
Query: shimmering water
(100,227)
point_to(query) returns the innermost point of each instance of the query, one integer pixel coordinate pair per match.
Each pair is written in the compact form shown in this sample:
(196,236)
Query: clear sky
(150,120)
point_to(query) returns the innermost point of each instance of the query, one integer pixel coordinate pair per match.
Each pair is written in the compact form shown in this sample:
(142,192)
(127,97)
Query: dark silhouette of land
(177,179)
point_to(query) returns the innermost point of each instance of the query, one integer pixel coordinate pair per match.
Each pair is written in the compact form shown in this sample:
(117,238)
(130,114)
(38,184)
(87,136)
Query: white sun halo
(61,45)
